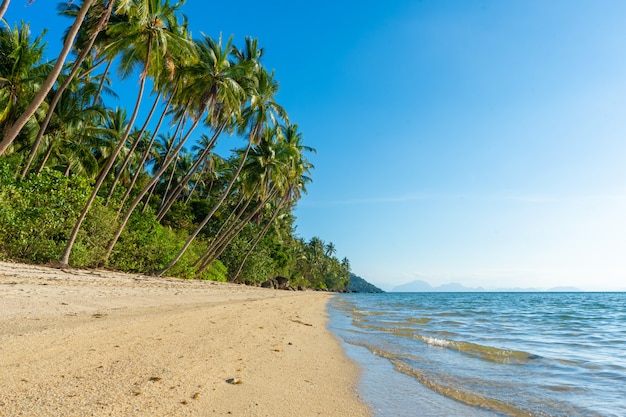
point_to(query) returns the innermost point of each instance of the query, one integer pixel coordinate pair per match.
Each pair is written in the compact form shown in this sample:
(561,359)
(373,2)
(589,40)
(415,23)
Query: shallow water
(487,354)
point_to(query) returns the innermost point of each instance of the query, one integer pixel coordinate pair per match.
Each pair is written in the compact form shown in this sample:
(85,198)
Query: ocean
(487,354)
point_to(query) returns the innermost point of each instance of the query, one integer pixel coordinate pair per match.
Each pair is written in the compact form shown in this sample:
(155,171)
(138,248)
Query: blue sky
(480,142)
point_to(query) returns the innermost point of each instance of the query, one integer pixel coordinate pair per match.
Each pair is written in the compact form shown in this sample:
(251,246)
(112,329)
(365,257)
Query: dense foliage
(90,184)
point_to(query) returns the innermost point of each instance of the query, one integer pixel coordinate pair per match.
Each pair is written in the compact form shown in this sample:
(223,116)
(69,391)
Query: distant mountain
(358,284)
(564,289)
(414,286)
(423,286)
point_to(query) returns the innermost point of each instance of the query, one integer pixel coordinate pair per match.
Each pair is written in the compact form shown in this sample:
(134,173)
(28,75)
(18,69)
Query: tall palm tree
(138,139)
(79,98)
(261,111)
(99,26)
(206,145)
(213,86)
(21,73)
(74,132)
(16,127)
(291,175)
(92,20)
(149,38)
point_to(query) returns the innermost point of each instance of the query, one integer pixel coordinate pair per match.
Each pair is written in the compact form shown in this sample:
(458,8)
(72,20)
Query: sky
(478,142)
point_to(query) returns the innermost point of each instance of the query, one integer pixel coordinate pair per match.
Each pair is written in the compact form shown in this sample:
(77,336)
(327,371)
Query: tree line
(143,189)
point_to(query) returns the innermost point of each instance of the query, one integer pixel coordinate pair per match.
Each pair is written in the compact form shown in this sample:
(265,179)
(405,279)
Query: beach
(95,342)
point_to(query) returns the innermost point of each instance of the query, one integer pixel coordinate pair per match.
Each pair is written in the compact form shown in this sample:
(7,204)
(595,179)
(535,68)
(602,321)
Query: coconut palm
(261,111)
(138,138)
(74,131)
(212,88)
(14,130)
(203,150)
(149,38)
(21,73)
(291,176)
(94,31)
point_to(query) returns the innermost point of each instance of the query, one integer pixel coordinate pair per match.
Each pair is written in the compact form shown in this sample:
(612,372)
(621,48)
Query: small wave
(489,353)
(433,341)
(455,393)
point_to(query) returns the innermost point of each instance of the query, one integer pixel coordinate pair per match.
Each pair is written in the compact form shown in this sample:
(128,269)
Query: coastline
(94,342)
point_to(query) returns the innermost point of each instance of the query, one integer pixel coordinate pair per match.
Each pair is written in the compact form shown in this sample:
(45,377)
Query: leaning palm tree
(94,31)
(39,98)
(292,175)
(76,126)
(203,153)
(261,111)
(21,73)
(213,87)
(163,86)
(149,38)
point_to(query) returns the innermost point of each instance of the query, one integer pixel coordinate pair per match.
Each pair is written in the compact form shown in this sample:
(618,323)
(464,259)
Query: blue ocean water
(487,354)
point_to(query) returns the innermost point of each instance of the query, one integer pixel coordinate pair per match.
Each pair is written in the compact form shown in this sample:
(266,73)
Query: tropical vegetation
(86,182)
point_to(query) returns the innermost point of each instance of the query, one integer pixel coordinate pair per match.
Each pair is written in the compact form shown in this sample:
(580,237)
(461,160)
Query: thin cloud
(529,198)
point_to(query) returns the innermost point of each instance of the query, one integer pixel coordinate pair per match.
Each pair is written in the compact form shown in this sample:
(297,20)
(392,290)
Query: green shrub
(38,214)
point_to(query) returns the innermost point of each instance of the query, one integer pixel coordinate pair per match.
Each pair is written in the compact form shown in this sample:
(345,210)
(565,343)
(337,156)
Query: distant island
(423,286)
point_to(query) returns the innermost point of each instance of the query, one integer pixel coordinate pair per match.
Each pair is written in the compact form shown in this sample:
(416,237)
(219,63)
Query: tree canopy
(87,182)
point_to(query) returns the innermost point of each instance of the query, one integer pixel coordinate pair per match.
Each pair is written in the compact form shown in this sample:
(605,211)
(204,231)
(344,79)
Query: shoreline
(95,342)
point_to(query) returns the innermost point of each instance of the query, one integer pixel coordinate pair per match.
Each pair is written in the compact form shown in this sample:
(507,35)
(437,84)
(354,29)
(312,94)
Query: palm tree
(261,111)
(83,39)
(203,153)
(21,73)
(138,138)
(16,127)
(330,249)
(101,23)
(291,175)
(212,86)
(75,130)
(149,37)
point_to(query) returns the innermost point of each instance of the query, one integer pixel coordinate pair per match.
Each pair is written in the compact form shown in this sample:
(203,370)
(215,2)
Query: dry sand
(96,343)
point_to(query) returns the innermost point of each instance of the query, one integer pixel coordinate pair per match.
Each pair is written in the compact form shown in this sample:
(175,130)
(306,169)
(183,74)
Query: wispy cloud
(407,198)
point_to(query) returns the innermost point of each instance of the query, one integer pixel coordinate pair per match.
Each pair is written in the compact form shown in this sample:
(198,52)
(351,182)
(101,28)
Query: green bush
(38,214)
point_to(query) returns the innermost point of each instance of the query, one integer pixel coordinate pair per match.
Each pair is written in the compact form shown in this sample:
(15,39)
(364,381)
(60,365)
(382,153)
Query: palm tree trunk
(258,238)
(224,231)
(172,197)
(146,153)
(145,190)
(169,181)
(57,96)
(213,243)
(65,258)
(3,7)
(102,81)
(208,216)
(234,234)
(46,156)
(132,149)
(16,128)
(179,126)
(193,189)
(147,203)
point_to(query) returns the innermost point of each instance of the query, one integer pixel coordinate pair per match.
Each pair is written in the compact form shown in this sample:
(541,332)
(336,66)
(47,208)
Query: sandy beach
(97,343)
